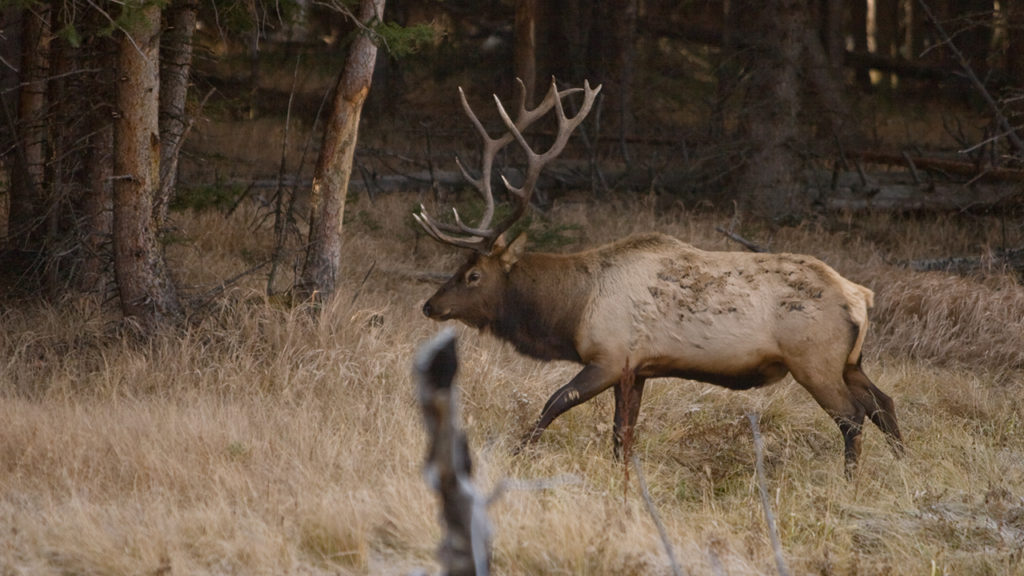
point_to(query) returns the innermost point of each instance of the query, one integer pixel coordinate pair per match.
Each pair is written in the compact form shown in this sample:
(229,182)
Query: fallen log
(842,191)
(946,166)
(998,260)
(934,197)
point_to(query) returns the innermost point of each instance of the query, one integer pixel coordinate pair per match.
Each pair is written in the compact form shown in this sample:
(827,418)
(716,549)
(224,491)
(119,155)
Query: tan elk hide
(658,307)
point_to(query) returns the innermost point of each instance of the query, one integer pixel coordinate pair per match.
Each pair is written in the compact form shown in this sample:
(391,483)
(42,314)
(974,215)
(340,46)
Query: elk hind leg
(847,413)
(878,406)
(627,409)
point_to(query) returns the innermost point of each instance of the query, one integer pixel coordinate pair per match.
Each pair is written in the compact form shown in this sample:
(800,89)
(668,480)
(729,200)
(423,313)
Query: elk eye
(473,277)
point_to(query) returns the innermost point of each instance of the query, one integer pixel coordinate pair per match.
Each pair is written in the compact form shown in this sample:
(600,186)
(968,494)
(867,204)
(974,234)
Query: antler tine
(435,230)
(536,162)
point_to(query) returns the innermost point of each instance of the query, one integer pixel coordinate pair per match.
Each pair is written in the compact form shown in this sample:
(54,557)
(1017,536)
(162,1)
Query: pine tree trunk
(526,46)
(175,62)
(612,60)
(334,165)
(888,38)
(859,32)
(768,181)
(146,292)
(1015,46)
(26,212)
(96,201)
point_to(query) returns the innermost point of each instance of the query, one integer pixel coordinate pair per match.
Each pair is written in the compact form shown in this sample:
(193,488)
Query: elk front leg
(590,382)
(627,403)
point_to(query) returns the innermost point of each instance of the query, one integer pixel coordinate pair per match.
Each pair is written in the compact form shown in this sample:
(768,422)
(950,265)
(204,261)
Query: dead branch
(897,192)
(280,218)
(466,547)
(944,165)
(653,511)
(769,517)
(753,247)
(836,189)
(1004,124)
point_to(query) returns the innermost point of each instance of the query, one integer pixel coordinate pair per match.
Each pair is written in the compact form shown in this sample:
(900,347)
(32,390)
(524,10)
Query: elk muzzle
(434,313)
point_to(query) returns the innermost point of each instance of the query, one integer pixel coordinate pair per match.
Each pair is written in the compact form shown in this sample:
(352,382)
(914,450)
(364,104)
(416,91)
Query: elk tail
(858,301)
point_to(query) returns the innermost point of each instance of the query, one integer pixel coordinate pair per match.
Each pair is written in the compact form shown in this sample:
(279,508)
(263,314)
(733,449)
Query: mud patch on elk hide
(684,288)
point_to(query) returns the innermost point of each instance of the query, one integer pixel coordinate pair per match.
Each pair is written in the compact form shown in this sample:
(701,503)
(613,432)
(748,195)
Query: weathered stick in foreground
(466,548)
(769,518)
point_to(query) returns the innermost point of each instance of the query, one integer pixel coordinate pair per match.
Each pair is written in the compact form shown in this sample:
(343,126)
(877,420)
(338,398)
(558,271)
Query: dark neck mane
(542,307)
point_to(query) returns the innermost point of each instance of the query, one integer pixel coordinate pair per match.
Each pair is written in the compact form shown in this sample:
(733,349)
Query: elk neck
(543,305)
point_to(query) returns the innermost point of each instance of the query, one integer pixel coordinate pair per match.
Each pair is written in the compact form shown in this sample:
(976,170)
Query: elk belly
(737,376)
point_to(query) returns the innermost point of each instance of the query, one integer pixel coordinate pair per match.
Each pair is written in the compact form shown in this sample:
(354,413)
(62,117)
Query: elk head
(472,295)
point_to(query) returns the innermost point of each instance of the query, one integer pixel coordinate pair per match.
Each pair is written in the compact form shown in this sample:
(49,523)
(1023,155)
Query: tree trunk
(612,59)
(65,114)
(1015,55)
(526,46)
(26,211)
(767,182)
(859,32)
(832,37)
(175,61)
(146,292)
(334,165)
(887,32)
(975,37)
(97,210)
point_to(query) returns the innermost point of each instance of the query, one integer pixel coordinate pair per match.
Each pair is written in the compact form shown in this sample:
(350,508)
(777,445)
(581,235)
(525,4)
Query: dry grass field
(259,440)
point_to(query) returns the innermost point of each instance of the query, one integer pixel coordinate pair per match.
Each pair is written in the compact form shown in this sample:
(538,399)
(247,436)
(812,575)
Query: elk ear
(509,254)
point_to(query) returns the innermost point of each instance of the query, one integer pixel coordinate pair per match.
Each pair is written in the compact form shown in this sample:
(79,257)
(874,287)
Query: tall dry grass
(259,440)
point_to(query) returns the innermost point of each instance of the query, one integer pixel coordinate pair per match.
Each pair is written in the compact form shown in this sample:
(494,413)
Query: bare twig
(753,247)
(363,283)
(280,217)
(1004,124)
(769,517)
(913,168)
(366,27)
(676,569)
(212,293)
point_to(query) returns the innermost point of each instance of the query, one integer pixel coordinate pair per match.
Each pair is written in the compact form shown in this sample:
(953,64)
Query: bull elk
(656,305)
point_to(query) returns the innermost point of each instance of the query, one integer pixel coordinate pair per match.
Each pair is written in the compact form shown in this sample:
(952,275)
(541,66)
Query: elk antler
(482,237)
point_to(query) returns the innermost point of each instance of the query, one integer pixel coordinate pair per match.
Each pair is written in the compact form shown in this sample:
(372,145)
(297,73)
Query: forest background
(205,355)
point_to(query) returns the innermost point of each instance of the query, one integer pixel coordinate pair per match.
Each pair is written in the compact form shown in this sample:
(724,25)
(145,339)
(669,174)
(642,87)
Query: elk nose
(427,309)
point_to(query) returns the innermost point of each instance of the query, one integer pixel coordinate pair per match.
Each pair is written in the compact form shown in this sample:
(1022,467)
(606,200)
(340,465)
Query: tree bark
(175,62)
(975,37)
(887,32)
(97,210)
(767,183)
(146,292)
(26,208)
(334,164)
(859,31)
(1015,44)
(832,37)
(526,46)
(612,48)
